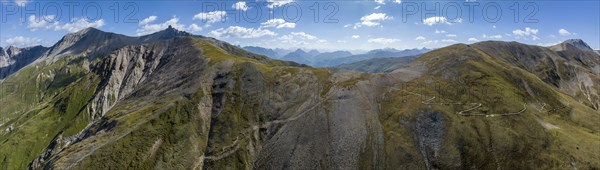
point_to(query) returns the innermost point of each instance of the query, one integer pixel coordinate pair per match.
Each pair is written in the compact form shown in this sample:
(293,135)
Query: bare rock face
(13,59)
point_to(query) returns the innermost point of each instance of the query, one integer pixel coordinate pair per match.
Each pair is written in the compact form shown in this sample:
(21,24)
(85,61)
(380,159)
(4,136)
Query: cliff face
(13,59)
(192,102)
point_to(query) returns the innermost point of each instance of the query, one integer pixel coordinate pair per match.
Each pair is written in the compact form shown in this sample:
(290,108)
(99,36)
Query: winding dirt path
(465,112)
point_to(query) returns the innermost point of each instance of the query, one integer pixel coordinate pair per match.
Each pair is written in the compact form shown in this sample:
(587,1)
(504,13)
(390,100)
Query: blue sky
(347,25)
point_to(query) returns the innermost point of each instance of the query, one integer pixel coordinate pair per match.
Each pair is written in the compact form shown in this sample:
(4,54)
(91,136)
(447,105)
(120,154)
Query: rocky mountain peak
(578,43)
(168,33)
(12,50)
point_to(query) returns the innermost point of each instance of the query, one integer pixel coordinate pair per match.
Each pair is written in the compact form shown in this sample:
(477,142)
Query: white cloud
(527,32)
(148,20)
(341,41)
(450,35)
(79,24)
(383,40)
(277,3)
(440,31)
(564,32)
(241,32)
(21,3)
(43,22)
(473,39)
(440,20)
(47,22)
(240,6)
(194,28)
(373,19)
(492,36)
(20,41)
(300,39)
(278,23)
(381,2)
(211,17)
(398,1)
(377,7)
(449,40)
(355,36)
(151,28)
(493,26)
(420,38)
(303,35)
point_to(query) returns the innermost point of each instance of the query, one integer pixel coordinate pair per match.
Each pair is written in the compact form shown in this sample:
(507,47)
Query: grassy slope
(43,107)
(158,135)
(517,141)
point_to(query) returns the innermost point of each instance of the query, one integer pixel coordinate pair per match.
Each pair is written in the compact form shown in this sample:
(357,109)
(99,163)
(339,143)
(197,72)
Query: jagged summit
(579,44)
(168,33)
(572,44)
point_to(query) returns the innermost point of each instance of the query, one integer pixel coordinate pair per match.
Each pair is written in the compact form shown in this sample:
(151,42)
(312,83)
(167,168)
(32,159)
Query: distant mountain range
(327,59)
(379,53)
(271,53)
(376,65)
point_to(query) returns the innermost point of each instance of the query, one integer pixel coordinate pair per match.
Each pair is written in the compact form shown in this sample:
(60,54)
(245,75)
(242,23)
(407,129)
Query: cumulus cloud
(44,22)
(372,20)
(564,32)
(450,35)
(300,39)
(151,28)
(47,22)
(449,41)
(431,42)
(355,36)
(20,41)
(241,5)
(473,39)
(194,28)
(527,32)
(440,20)
(277,3)
(301,35)
(382,2)
(148,20)
(383,40)
(278,23)
(79,24)
(440,31)
(492,36)
(211,17)
(241,32)
(420,38)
